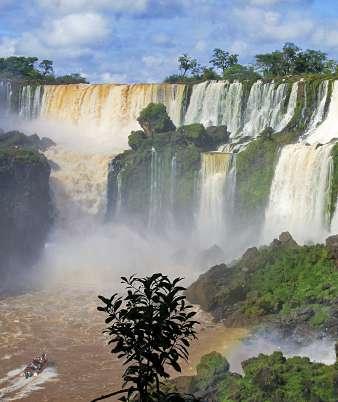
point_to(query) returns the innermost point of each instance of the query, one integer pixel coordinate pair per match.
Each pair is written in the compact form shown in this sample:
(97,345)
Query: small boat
(36,366)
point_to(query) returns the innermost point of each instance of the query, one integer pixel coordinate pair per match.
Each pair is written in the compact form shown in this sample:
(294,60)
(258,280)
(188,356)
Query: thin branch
(122,391)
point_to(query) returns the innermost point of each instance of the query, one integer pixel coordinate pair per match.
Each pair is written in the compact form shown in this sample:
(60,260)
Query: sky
(140,40)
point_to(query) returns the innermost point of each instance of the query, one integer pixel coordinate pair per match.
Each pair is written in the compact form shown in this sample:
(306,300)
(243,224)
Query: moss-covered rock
(156,180)
(154,119)
(266,378)
(285,284)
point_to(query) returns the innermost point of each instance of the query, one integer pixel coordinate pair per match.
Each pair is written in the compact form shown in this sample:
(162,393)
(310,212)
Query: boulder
(287,240)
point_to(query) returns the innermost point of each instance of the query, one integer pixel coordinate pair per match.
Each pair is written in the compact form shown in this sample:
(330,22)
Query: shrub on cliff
(154,119)
(135,139)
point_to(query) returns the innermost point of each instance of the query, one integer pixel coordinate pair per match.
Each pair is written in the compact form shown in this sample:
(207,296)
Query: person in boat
(36,366)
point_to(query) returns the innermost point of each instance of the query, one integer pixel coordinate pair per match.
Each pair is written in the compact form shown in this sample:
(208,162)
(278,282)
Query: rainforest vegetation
(290,60)
(32,69)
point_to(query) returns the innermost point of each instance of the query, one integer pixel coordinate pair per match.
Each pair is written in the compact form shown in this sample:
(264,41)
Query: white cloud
(70,6)
(153,61)
(115,78)
(7,47)
(265,25)
(201,45)
(326,35)
(75,29)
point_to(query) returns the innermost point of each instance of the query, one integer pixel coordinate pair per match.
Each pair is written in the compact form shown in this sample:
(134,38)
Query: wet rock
(210,257)
(287,240)
(219,134)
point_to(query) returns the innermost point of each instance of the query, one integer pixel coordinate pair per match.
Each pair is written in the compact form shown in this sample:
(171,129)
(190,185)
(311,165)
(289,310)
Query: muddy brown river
(68,327)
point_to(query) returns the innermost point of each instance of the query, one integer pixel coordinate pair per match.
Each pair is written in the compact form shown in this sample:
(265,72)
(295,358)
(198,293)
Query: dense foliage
(267,378)
(289,61)
(154,119)
(150,329)
(292,60)
(30,69)
(296,285)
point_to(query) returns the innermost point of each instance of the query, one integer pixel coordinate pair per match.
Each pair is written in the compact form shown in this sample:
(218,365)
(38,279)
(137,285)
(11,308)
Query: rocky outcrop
(156,179)
(266,378)
(25,209)
(20,140)
(285,286)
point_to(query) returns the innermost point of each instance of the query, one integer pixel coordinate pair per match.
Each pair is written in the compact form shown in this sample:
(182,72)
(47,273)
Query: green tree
(19,67)
(240,72)
(46,67)
(310,61)
(223,60)
(150,328)
(186,63)
(292,60)
(73,78)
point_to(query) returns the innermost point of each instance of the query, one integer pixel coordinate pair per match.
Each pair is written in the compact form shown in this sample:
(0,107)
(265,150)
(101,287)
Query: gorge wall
(26,211)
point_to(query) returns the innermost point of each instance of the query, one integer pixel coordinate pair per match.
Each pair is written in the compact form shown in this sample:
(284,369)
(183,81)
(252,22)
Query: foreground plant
(150,329)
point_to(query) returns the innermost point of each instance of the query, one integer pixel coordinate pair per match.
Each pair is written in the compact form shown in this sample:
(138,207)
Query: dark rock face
(25,209)
(332,245)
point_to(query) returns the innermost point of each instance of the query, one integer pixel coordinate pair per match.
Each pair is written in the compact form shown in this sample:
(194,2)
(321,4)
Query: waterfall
(232,108)
(328,130)
(215,103)
(265,107)
(211,220)
(206,103)
(155,191)
(79,186)
(299,195)
(321,98)
(109,111)
(5,96)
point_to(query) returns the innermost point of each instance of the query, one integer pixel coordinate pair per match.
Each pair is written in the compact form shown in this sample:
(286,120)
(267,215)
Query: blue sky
(140,40)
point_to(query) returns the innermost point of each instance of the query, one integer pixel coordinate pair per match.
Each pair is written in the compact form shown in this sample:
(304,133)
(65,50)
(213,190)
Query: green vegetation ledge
(266,378)
(284,285)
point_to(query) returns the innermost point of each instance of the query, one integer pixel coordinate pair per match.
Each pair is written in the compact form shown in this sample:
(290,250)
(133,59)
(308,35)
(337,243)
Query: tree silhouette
(150,329)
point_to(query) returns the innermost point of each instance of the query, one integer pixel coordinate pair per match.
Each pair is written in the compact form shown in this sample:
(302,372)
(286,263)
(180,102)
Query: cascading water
(216,186)
(206,103)
(265,107)
(215,103)
(79,186)
(321,98)
(328,130)
(6,93)
(155,191)
(300,193)
(108,112)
